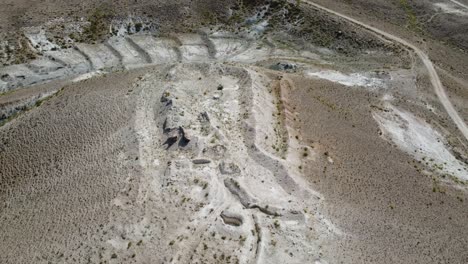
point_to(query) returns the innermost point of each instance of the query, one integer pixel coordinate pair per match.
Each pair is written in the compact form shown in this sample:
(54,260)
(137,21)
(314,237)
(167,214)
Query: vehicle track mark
(143,53)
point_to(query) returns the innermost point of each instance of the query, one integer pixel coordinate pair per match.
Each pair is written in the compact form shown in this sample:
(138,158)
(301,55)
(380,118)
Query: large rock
(229,168)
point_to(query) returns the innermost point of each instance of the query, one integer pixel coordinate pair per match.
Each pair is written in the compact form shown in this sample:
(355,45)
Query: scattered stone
(216,96)
(204,118)
(171,140)
(228,168)
(284,66)
(165,97)
(201,161)
(176,135)
(215,151)
(230,219)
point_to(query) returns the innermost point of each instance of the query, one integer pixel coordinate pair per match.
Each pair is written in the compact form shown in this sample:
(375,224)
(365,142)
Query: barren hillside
(233,132)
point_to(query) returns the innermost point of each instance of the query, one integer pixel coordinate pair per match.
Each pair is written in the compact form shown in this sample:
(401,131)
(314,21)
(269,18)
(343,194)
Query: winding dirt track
(459,4)
(435,80)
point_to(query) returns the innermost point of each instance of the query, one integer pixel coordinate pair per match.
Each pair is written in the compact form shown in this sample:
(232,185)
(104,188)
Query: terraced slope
(127,53)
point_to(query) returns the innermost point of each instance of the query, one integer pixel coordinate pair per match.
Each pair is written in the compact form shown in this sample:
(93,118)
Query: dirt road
(459,4)
(435,80)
